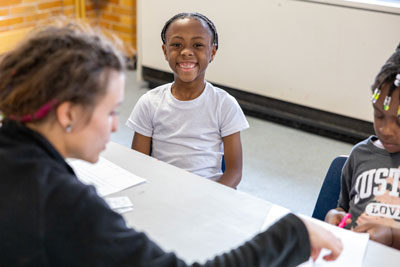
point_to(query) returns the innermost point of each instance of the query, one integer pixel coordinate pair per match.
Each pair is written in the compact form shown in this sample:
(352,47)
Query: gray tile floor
(280,164)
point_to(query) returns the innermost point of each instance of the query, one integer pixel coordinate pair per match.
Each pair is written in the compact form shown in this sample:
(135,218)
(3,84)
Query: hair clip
(376,95)
(386,103)
(397,80)
(398,112)
(395,84)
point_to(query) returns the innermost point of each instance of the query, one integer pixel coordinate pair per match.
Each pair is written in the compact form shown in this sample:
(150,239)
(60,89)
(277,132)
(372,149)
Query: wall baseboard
(293,115)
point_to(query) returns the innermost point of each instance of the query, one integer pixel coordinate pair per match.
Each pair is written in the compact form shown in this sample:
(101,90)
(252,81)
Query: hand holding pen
(344,220)
(338,217)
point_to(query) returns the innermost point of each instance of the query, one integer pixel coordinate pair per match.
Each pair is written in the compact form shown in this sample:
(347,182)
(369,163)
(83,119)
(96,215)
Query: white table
(197,218)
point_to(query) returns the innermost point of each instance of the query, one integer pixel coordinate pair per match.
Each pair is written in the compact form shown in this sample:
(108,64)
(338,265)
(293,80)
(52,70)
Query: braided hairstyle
(389,73)
(54,65)
(197,16)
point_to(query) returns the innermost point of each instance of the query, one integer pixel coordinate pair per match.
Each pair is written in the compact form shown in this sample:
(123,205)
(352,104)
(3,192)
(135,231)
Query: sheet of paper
(275,213)
(105,176)
(354,244)
(118,202)
(123,210)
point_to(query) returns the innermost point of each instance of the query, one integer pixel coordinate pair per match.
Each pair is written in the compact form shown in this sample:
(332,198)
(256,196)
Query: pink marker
(342,223)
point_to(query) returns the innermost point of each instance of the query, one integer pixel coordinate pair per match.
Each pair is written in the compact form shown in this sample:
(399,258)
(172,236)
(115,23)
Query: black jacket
(49,218)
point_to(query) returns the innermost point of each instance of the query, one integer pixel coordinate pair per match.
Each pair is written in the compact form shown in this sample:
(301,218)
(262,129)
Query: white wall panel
(318,55)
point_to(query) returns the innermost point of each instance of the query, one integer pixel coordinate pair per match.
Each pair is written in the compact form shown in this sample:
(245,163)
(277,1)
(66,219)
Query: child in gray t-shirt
(370,177)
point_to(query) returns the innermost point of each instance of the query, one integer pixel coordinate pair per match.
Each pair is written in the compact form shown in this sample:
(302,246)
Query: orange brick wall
(117,16)
(16,14)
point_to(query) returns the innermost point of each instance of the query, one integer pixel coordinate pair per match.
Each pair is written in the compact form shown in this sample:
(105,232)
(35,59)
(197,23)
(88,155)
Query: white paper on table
(105,176)
(119,202)
(275,213)
(123,210)
(354,244)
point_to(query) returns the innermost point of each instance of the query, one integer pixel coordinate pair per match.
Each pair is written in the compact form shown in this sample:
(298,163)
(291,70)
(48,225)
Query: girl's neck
(187,91)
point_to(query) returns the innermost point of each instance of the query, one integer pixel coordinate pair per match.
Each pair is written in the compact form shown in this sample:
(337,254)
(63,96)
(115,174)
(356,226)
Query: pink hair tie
(40,113)
(43,110)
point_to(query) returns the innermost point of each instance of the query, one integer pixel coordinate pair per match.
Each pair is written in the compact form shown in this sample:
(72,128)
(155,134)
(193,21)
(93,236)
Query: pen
(342,223)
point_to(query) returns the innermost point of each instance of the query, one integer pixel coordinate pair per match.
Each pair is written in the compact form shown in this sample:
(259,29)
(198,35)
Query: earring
(68,129)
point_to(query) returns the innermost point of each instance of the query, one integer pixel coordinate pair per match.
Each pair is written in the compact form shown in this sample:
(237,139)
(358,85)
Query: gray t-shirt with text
(370,185)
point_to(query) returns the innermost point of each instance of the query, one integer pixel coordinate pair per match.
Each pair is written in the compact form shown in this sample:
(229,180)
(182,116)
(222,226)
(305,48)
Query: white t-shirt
(188,134)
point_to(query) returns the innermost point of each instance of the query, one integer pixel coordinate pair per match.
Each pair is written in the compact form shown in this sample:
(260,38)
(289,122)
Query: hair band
(40,113)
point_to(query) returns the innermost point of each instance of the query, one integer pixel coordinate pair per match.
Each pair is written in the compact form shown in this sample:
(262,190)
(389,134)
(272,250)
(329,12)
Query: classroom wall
(320,55)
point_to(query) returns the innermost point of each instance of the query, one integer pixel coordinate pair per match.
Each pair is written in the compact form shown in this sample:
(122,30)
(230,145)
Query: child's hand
(377,232)
(334,216)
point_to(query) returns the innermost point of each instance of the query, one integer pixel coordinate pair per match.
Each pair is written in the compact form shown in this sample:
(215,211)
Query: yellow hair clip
(376,95)
(386,103)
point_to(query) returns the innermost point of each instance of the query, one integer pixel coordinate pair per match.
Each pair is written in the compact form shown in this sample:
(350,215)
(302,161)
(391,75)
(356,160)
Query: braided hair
(197,16)
(389,73)
(54,65)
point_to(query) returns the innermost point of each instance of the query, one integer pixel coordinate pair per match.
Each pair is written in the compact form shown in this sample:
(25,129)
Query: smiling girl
(190,123)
